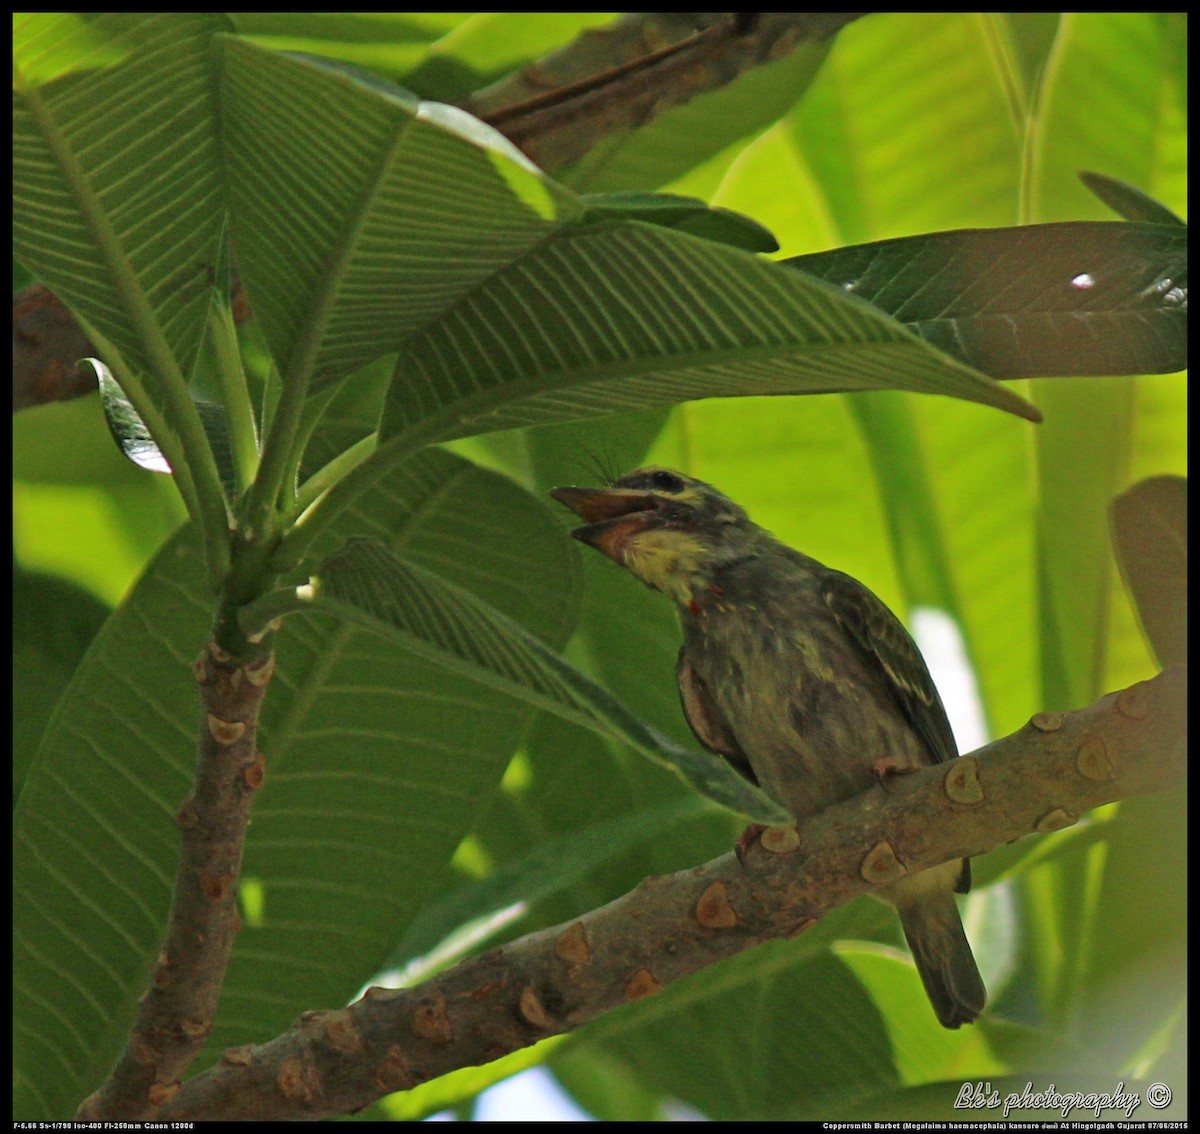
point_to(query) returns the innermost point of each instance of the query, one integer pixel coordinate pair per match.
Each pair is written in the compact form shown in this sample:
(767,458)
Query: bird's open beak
(613,515)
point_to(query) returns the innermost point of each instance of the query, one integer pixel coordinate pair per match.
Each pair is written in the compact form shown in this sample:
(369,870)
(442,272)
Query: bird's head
(669,530)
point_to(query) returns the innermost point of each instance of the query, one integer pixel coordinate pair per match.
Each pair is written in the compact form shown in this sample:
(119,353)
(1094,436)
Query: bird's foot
(887,766)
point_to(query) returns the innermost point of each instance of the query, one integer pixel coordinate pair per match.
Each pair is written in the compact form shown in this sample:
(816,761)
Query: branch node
(295,1080)
(225,733)
(780,840)
(572,945)
(215,887)
(1093,760)
(714,910)
(160,1094)
(882,865)
(186,817)
(340,1033)
(142,1052)
(255,773)
(1132,702)
(642,983)
(532,1010)
(1055,820)
(430,1021)
(1047,721)
(393,1073)
(162,972)
(962,781)
(261,673)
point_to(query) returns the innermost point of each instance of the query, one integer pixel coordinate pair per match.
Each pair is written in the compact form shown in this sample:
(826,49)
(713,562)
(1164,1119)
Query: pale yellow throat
(669,561)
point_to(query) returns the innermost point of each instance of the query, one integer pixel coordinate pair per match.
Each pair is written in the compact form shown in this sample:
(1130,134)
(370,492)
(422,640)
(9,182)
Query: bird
(796,674)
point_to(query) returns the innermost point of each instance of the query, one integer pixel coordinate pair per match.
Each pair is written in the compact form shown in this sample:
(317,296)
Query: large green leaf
(366,583)
(903,99)
(760,1004)
(1149,527)
(377,764)
(466,917)
(604,318)
(53,623)
(390,43)
(386,223)
(118,201)
(1111,102)
(912,126)
(1032,300)
(674,142)
(1129,201)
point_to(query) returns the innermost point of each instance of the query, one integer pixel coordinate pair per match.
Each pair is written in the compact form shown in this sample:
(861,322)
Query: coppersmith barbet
(797,675)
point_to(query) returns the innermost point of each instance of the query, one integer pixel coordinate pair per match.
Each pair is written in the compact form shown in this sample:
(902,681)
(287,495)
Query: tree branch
(176,1013)
(1040,779)
(617,78)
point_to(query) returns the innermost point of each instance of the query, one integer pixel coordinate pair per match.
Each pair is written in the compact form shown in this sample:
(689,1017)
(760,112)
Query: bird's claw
(887,766)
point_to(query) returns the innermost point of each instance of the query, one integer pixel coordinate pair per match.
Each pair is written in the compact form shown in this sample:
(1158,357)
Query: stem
(256,618)
(335,471)
(259,515)
(176,1013)
(361,478)
(243,433)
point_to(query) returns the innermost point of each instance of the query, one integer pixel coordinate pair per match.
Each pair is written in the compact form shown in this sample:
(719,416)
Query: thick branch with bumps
(177,1010)
(1040,779)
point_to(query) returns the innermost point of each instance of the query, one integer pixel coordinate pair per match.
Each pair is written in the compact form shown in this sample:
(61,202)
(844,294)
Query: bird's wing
(884,643)
(705,719)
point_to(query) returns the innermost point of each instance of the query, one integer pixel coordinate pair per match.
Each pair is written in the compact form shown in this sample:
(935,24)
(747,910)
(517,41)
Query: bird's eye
(665,481)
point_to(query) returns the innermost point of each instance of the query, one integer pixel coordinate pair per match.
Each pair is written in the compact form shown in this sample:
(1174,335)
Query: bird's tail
(934,932)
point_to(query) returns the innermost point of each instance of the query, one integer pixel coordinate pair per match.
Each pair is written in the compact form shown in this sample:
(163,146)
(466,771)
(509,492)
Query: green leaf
(602,319)
(386,224)
(388,42)
(1133,994)
(675,142)
(377,765)
(125,424)
(487,47)
(53,623)
(1031,301)
(750,1010)
(911,127)
(1110,100)
(606,319)
(1149,523)
(688,214)
(1114,98)
(366,583)
(133,438)
(118,203)
(1129,201)
(550,866)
